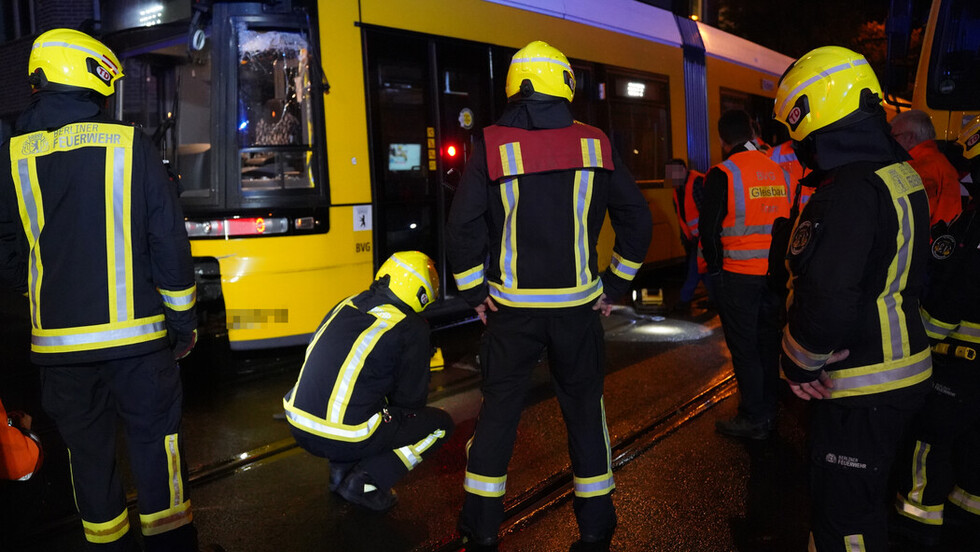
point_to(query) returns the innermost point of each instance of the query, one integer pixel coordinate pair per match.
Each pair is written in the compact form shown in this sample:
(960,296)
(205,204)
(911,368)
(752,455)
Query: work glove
(182,343)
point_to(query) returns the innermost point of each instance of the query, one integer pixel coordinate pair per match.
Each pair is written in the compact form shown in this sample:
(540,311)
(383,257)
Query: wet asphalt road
(688,489)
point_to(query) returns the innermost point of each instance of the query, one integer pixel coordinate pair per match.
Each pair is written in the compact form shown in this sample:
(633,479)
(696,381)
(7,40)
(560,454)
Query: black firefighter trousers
(749,312)
(145,391)
(511,346)
(852,448)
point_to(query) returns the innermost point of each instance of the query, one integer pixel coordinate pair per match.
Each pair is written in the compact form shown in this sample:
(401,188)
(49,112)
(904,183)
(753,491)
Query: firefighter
(360,397)
(532,200)
(91,229)
(743,196)
(947,429)
(853,340)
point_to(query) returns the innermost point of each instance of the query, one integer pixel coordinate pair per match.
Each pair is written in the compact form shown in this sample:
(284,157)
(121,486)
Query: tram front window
(274,112)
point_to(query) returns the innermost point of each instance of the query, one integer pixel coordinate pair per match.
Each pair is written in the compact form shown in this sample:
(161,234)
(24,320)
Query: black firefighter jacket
(370,352)
(858,259)
(525,220)
(91,229)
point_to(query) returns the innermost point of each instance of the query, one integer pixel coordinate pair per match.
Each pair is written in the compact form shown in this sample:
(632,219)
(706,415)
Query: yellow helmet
(969,138)
(823,87)
(540,68)
(65,59)
(412,277)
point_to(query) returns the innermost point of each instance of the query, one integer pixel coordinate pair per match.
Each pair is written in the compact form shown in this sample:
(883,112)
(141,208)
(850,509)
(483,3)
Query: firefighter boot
(338,471)
(358,488)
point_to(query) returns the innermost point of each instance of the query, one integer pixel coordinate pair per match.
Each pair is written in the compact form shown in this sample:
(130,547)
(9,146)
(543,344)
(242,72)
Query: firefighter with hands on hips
(360,397)
(939,469)
(853,340)
(522,237)
(743,196)
(91,229)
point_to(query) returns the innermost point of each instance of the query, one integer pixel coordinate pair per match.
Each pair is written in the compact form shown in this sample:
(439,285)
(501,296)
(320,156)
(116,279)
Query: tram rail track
(521,511)
(533,503)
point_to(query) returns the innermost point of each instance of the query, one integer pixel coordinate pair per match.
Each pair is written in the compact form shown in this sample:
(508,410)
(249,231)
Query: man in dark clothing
(938,472)
(532,199)
(743,196)
(360,397)
(857,257)
(91,229)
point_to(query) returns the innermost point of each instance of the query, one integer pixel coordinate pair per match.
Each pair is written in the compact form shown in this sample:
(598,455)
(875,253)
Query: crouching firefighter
(938,498)
(91,229)
(360,397)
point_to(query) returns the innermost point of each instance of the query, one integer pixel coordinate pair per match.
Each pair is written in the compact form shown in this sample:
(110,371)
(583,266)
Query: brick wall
(48,14)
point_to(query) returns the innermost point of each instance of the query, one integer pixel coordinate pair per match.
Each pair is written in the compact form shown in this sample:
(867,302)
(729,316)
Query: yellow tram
(313,139)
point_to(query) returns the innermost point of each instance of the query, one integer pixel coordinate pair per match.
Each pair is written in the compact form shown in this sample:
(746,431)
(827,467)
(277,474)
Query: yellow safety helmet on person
(825,86)
(540,68)
(66,59)
(969,138)
(412,278)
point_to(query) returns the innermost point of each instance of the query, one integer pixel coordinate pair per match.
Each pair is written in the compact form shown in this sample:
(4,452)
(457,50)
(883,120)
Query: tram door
(426,100)
(465,94)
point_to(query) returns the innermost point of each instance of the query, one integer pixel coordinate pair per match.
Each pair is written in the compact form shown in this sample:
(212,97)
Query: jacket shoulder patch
(943,247)
(801,237)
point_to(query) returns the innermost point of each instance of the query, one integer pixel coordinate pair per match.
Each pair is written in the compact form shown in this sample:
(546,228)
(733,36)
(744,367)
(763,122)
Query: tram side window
(583,103)
(275,114)
(169,95)
(954,72)
(194,129)
(639,124)
(759,108)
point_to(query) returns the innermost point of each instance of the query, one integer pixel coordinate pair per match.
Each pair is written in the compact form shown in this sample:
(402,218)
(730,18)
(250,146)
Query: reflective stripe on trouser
(512,344)
(849,471)
(146,391)
(947,427)
(390,452)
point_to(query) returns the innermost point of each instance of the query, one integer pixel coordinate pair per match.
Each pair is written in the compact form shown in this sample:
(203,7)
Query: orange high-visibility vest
(688,216)
(785,156)
(758,193)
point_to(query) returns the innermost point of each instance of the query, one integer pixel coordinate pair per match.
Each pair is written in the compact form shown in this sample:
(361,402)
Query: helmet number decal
(95,68)
(794,116)
(972,140)
(799,112)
